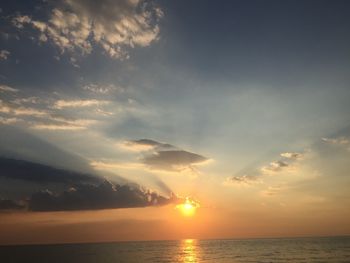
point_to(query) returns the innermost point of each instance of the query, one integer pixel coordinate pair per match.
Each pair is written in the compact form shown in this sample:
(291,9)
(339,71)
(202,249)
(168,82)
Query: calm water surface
(332,249)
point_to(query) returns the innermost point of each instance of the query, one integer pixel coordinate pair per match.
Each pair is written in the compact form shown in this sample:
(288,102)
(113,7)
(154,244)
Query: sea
(321,249)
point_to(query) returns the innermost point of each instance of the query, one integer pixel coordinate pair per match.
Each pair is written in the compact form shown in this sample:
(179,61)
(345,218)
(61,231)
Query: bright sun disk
(189,207)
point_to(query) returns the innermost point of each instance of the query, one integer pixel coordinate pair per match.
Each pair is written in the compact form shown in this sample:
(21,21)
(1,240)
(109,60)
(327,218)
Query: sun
(188,207)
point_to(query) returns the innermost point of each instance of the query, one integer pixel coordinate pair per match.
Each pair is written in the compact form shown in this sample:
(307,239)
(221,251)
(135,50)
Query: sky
(114,113)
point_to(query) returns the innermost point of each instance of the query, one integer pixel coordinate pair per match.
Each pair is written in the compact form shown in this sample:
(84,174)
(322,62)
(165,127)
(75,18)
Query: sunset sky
(113,112)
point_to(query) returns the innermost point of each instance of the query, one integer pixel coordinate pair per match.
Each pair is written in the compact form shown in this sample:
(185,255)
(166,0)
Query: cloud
(76,25)
(287,163)
(274,167)
(338,141)
(4,54)
(103,89)
(58,127)
(273,190)
(292,155)
(164,156)
(146,145)
(5,88)
(173,160)
(39,114)
(60,104)
(245,180)
(40,173)
(91,197)
(8,121)
(20,110)
(6,204)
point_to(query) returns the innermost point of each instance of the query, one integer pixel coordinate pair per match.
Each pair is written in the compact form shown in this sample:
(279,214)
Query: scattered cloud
(76,25)
(4,54)
(286,164)
(102,196)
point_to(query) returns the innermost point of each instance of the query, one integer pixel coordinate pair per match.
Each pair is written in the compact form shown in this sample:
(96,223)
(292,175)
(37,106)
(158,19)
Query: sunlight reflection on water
(189,249)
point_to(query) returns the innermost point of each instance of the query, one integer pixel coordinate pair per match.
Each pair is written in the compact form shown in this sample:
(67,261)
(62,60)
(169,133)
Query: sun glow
(189,207)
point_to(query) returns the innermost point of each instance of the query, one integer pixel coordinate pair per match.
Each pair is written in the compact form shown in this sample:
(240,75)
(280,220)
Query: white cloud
(4,54)
(275,166)
(57,127)
(292,155)
(75,25)
(60,104)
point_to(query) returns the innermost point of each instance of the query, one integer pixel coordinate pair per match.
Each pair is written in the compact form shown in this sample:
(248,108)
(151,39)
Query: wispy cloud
(245,180)
(342,142)
(273,190)
(37,113)
(5,88)
(56,127)
(60,104)
(103,89)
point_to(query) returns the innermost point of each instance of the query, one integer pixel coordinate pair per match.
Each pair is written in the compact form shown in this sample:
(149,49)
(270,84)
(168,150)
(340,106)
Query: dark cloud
(170,160)
(39,173)
(6,204)
(16,143)
(91,197)
(164,156)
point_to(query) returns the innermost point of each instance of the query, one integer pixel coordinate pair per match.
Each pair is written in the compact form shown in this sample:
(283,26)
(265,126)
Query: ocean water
(326,249)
